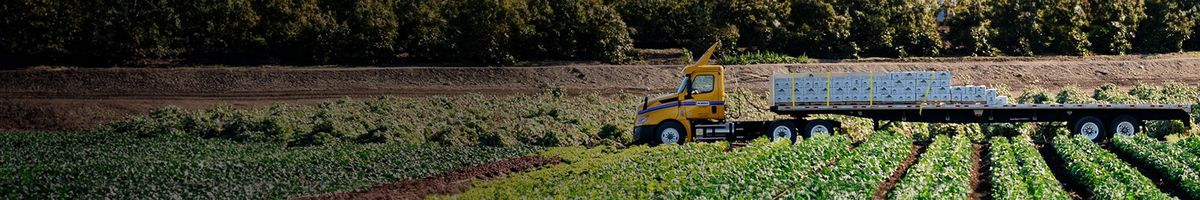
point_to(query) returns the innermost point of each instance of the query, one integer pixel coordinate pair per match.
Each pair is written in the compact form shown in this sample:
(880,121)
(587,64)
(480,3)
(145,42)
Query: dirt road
(59,98)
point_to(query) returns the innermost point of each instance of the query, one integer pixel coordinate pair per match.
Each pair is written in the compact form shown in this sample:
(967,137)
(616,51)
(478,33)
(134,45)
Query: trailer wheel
(668,133)
(818,127)
(1125,125)
(782,129)
(1089,127)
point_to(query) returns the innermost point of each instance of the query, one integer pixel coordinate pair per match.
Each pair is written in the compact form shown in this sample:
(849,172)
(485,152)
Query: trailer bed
(989,113)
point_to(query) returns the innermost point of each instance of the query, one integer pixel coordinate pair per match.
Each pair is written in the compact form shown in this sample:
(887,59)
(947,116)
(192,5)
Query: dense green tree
(970,27)
(1114,24)
(577,29)
(817,28)
(1064,23)
(1168,24)
(692,24)
(220,30)
(758,22)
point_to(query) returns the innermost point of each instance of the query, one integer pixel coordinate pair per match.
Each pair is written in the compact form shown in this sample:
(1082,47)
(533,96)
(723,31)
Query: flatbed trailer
(1091,120)
(696,111)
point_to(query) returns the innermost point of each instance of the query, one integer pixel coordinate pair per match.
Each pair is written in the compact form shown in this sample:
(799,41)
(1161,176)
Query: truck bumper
(642,134)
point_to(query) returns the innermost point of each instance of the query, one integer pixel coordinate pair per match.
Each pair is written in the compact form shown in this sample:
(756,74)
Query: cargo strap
(871,86)
(921,108)
(793,77)
(828,79)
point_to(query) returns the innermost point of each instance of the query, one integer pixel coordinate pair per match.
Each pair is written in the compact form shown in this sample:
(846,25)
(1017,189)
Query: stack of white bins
(888,87)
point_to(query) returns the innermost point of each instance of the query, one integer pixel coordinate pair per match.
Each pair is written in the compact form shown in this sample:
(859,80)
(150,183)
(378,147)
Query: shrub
(761,57)
(1112,94)
(1073,95)
(467,120)
(1034,95)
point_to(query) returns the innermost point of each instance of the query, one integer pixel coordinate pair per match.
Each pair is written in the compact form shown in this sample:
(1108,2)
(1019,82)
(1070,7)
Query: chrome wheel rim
(1126,129)
(781,132)
(819,130)
(1090,130)
(669,136)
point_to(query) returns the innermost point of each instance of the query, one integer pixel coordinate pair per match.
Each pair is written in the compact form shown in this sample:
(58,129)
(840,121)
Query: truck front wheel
(782,130)
(668,133)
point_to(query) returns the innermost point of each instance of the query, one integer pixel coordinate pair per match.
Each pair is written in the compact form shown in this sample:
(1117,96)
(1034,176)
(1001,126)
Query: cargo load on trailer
(883,87)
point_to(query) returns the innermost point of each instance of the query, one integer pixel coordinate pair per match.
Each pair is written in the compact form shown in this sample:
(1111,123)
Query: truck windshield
(682,85)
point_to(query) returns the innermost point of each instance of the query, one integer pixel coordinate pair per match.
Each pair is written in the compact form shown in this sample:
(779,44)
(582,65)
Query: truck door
(705,97)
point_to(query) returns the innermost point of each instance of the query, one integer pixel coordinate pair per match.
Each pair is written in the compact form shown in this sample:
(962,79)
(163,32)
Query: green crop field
(351,145)
(98,166)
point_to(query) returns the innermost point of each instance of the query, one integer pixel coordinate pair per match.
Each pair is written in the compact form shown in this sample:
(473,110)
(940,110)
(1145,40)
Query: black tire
(782,129)
(663,134)
(1089,127)
(812,128)
(1125,125)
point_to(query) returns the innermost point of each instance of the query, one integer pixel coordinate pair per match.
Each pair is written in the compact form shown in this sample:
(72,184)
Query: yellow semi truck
(696,111)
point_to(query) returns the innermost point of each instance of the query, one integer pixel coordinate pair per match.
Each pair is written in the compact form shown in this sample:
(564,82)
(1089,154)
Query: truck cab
(696,111)
(699,98)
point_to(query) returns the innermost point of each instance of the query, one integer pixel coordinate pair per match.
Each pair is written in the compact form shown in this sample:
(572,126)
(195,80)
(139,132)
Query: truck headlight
(642,120)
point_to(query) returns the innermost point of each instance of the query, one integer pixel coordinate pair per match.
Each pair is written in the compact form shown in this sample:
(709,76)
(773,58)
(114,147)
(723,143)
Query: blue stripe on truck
(685,103)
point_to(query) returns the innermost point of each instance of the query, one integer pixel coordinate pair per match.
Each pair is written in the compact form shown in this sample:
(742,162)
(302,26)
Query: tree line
(138,32)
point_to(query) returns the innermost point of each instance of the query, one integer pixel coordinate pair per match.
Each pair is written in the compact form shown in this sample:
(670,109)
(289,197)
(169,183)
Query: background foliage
(147,32)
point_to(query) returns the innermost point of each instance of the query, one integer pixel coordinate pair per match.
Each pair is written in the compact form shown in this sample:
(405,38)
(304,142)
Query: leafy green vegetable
(759,170)
(857,175)
(1173,163)
(1104,175)
(102,166)
(1018,172)
(943,172)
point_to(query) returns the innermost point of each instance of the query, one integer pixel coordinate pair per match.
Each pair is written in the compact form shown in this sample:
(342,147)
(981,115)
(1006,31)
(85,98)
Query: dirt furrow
(981,172)
(881,191)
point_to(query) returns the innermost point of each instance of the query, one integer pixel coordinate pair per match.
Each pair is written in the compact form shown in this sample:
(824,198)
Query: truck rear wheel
(782,130)
(1125,125)
(818,127)
(668,133)
(1089,127)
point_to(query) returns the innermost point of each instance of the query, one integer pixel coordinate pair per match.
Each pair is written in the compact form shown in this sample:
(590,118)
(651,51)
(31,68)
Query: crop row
(1102,172)
(857,175)
(691,170)
(943,172)
(1171,162)
(112,166)
(1018,172)
(1191,144)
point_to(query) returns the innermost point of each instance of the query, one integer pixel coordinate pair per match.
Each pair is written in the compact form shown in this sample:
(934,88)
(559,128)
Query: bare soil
(881,191)
(74,99)
(445,183)
(981,172)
